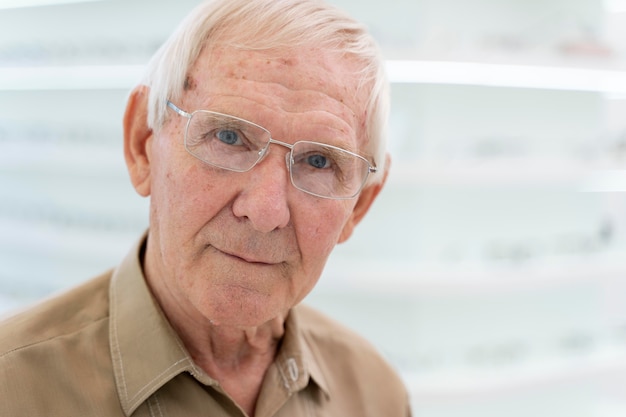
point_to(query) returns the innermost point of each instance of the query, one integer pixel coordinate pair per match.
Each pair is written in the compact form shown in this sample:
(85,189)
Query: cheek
(323,230)
(181,191)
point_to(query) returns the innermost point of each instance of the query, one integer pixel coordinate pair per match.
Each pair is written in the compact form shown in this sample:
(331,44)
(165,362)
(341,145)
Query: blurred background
(490,272)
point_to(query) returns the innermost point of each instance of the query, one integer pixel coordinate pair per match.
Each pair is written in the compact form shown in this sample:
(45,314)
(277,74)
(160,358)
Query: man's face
(243,248)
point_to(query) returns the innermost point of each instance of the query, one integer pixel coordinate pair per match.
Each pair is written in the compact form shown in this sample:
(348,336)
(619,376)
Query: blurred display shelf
(507,75)
(595,175)
(400,71)
(486,384)
(14,4)
(472,278)
(96,77)
(54,162)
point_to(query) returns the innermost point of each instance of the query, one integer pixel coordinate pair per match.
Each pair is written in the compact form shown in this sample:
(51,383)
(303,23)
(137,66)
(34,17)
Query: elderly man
(258,136)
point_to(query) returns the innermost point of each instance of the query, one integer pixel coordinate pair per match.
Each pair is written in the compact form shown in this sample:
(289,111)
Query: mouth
(245,258)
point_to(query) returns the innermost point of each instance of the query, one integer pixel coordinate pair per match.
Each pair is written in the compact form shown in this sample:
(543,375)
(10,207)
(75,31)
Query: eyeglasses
(235,144)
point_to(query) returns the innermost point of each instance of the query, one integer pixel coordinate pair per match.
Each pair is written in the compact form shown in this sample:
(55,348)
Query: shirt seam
(155,397)
(42,341)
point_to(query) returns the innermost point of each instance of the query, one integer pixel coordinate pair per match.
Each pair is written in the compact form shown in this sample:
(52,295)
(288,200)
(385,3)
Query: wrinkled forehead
(294,79)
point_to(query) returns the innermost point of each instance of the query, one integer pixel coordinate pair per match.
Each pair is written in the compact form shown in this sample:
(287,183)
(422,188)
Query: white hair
(271,25)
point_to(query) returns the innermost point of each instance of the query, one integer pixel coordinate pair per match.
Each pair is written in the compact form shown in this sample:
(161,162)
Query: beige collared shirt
(106,349)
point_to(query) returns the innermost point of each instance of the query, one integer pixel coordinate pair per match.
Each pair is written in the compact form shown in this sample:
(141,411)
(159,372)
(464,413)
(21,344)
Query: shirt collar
(147,353)
(297,358)
(145,350)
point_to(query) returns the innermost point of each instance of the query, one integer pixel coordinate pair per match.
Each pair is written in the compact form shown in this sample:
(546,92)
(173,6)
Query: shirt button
(292,367)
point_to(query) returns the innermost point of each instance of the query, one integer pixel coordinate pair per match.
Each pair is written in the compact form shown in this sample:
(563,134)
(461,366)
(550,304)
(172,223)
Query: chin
(250,311)
(241,320)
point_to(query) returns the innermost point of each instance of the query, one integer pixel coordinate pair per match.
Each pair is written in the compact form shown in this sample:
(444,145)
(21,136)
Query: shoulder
(327,333)
(56,317)
(348,358)
(59,349)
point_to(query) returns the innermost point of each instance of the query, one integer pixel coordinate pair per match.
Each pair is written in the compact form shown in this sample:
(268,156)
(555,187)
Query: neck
(236,357)
(224,347)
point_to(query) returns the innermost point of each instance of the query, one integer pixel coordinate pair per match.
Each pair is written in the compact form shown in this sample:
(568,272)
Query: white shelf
(459,384)
(30,160)
(400,71)
(468,278)
(511,171)
(504,75)
(87,77)
(15,4)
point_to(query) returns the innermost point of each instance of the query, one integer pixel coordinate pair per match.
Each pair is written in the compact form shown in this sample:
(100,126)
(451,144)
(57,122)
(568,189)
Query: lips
(246,258)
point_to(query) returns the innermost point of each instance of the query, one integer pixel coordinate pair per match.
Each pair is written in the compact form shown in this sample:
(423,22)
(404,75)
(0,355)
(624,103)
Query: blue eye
(317,161)
(229,137)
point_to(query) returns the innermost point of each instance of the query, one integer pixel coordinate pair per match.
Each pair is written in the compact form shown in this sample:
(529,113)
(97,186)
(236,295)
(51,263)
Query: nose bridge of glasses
(278,142)
(288,157)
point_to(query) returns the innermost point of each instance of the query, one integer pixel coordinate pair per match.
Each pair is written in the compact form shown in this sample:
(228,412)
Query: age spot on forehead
(190,83)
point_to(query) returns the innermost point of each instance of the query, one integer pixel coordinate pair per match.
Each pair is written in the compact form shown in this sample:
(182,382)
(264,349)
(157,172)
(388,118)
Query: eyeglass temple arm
(178,110)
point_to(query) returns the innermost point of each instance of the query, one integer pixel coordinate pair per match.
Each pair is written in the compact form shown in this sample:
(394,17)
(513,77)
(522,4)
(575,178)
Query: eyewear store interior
(491,271)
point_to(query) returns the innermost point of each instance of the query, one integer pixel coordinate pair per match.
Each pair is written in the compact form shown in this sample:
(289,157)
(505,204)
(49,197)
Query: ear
(137,140)
(363,204)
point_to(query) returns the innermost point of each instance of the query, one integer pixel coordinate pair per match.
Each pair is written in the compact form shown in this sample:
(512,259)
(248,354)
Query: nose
(263,196)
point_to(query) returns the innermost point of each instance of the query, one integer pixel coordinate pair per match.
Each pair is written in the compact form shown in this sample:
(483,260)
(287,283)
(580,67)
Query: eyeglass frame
(265,150)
